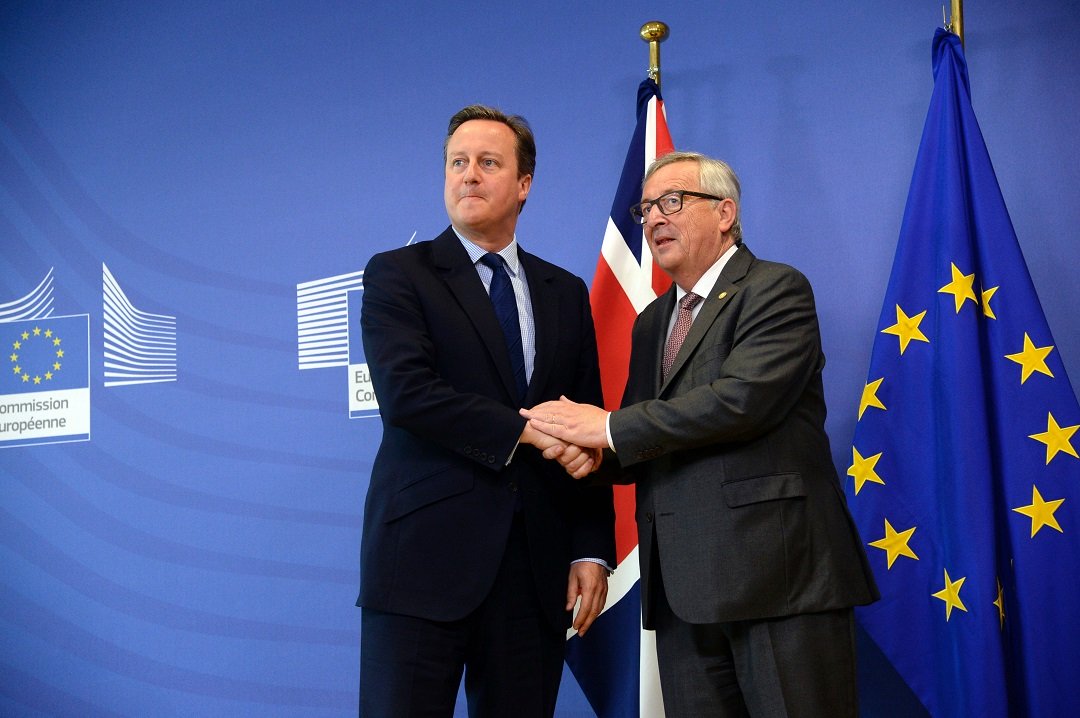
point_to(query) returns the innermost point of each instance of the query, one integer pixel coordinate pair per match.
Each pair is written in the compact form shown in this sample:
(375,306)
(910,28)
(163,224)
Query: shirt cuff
(600,561)
(607,430)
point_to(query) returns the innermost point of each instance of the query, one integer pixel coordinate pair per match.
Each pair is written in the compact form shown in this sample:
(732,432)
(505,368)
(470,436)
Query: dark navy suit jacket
(442,497)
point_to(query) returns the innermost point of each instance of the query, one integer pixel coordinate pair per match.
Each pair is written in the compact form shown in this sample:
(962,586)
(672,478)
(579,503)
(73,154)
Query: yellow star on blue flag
(977,446)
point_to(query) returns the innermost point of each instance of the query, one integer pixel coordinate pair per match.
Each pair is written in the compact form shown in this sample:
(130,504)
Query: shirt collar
(509,253)
(707,281)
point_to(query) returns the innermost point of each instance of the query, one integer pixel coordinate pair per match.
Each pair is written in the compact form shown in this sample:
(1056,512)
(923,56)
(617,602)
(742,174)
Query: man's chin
(467,218)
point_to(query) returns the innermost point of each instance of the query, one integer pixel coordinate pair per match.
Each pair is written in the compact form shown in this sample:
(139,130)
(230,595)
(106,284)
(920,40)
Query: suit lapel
(545,313)
(722,293)
(660,320)
(453,264)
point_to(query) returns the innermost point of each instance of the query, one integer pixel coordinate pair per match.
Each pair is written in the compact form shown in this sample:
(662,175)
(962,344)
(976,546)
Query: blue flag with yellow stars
(965,480)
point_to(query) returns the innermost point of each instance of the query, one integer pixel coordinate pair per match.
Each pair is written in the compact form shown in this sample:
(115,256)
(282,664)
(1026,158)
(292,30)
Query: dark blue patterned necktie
(502,298)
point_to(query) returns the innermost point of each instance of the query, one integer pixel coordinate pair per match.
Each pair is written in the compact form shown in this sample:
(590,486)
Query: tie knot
(492,261)
(689,301)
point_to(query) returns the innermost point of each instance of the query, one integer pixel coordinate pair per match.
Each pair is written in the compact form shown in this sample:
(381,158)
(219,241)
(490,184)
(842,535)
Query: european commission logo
(362,401)
(45,384)
(324,339)
(140,347)
(328,334)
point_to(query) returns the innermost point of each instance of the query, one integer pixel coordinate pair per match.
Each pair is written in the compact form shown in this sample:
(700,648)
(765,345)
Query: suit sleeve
(772,353)
(413,393)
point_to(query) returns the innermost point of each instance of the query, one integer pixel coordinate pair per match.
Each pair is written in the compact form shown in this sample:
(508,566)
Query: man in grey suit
(750,562)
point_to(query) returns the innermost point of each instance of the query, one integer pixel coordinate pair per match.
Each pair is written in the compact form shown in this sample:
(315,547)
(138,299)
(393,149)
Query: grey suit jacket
(735,480)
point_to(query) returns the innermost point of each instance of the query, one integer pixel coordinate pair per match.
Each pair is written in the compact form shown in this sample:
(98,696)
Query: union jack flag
(616,664)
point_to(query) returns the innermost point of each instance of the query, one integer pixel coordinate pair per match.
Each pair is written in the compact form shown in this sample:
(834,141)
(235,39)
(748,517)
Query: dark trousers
(510,654)
(800,666)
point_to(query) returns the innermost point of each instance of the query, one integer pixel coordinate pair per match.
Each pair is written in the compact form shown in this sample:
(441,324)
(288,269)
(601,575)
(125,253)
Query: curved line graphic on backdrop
(322,320)
(112,470)
(38,550)
(51,166)
(51,227)
(21,687)
(81,263)
(203,386)
(80,512)
(140,347)
(38,304)
(19,254)
(151,428)
(55,629)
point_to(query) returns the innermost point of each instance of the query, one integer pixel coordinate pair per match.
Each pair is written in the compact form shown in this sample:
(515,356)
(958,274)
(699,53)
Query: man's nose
(470,175)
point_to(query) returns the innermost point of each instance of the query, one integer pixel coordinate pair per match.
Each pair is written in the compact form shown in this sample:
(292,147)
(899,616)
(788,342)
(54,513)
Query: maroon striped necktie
(680,330)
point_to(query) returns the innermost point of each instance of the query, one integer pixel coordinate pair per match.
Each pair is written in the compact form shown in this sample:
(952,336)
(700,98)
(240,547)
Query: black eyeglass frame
(641,210)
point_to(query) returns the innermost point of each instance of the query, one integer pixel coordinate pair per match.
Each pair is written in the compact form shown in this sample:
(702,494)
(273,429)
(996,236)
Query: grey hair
(714,176)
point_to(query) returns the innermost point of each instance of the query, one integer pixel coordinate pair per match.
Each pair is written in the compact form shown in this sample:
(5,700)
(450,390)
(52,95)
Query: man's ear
(728,212)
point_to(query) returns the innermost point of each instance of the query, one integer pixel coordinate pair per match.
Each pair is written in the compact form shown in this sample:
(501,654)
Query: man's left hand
(581,424)
(579,462)
(588,581)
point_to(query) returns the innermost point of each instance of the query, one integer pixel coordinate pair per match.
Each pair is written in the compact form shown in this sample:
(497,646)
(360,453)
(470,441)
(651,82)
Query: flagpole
(654,33)
(955,25)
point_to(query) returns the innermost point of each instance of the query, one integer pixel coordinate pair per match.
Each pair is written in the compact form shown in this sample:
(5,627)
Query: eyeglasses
(668,204)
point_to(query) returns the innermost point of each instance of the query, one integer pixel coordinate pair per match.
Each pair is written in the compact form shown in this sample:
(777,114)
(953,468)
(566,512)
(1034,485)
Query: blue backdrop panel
(205,181)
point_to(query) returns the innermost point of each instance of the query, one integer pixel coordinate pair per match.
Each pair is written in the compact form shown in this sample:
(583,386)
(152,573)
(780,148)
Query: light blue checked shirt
(520,283)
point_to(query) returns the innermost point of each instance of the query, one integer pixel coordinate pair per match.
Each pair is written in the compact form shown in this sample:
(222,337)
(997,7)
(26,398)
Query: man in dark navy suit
(475,548)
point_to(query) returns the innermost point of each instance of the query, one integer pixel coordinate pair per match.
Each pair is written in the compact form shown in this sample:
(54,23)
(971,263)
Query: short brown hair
(525,144)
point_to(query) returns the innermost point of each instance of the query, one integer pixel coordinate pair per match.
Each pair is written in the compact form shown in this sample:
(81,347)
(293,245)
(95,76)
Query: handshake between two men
(572,434)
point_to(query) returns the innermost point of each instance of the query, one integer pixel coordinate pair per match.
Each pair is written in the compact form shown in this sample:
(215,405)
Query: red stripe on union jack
(616,665)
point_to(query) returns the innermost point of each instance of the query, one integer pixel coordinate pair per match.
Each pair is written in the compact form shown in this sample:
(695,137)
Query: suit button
(648,517)
(491,459)
(513,486)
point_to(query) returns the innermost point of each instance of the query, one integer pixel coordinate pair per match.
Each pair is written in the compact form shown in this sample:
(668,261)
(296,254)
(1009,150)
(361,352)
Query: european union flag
(45,388)
(966,480)
(48,354)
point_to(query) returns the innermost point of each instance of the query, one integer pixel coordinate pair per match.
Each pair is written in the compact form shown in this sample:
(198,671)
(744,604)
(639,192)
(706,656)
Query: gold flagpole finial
(955,23)
(654,33)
